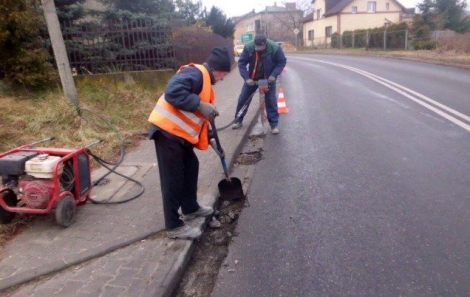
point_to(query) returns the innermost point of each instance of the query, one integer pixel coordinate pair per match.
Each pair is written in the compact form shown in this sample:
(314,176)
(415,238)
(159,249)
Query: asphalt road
(366,190)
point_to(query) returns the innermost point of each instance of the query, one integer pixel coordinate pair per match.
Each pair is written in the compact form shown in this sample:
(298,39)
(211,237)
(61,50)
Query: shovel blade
(231,190)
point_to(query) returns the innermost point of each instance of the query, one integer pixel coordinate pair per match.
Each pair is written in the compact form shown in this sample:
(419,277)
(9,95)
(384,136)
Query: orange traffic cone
(281,102)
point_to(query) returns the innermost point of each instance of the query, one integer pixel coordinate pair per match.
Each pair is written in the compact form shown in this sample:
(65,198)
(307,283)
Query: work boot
(203,211)
(184,232)
(274,130)
(236,125)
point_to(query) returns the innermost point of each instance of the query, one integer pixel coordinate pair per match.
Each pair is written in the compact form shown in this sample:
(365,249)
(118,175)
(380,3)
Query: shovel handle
(220,149)
(216,136)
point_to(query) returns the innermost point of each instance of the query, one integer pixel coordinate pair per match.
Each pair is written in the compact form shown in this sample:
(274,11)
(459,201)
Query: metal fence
(97,47)
(373,39)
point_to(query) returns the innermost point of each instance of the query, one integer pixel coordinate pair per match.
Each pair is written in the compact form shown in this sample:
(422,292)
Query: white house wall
(365,20)
(348,21)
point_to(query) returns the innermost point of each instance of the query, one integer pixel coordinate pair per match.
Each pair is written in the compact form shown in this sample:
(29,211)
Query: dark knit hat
(219,59)
(260,42)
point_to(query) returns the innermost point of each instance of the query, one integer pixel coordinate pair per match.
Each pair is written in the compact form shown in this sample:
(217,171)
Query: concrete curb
(176,273)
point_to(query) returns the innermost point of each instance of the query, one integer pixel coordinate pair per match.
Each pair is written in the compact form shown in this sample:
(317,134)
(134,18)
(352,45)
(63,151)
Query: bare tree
(284,25)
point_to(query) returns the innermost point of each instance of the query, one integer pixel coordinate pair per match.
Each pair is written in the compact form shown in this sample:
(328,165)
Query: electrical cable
(105,163)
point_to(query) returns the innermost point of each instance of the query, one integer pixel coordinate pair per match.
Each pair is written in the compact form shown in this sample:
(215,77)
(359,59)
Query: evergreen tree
(23,58)
(188,11)
(441,15)
(69,10)
(152,8)
(217,20)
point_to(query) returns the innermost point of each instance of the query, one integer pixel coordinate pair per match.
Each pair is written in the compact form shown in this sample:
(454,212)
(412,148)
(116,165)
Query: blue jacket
(274,60)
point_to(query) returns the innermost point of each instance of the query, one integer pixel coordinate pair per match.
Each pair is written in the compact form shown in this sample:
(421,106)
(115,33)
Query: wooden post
(353,37)
(406,40)
(385,40)
(367,40)
(60,54)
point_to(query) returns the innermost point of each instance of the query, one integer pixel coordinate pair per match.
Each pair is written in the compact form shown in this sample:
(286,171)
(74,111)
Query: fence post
(340,41)
(385,40)
(60,52)
(406,40)
(367,40)
(353,37)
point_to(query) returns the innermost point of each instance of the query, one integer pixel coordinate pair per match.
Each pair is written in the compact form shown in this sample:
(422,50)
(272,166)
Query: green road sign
(247,37)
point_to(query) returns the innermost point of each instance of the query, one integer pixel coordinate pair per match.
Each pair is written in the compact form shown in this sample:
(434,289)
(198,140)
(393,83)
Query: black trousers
(179,168)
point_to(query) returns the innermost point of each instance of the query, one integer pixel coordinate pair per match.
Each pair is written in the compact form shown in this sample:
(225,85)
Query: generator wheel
(65,211)
(10,199)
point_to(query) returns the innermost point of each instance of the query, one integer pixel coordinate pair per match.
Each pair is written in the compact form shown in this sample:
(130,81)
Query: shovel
(230,188)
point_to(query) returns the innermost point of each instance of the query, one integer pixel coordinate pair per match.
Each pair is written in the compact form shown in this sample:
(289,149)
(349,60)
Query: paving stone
(136,288)
(96,286)
(46,291)
(71,287)
(124,277)
(112,291)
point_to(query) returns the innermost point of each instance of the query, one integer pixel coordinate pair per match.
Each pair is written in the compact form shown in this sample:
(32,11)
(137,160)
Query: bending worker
(180,123)
(265,60)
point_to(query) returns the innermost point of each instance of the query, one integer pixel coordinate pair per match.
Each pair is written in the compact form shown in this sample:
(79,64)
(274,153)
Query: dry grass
(27,118)
(460,43)
(438,56)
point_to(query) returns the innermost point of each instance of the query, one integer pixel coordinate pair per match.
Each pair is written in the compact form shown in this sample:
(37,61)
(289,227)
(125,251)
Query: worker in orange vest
(180,122)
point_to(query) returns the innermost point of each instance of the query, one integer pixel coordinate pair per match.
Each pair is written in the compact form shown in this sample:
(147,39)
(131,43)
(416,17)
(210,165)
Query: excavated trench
(211,250)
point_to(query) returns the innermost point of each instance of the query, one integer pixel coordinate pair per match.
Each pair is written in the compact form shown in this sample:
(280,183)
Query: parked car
(238,49)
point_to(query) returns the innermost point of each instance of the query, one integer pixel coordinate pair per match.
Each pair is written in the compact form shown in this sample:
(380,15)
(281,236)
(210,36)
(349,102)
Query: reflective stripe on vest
(180,122)
(191,126)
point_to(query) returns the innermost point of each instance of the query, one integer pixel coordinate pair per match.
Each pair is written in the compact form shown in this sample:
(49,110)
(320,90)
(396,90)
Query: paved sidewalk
(127,252)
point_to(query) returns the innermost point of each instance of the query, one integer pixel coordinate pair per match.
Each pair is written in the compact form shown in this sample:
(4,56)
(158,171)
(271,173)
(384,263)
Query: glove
(214,146)
(249,82)
(271,79)
(208,110)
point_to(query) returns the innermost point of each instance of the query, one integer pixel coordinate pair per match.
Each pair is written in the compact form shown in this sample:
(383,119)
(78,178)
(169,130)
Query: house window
(250,28)
(328,31)
(371,6)
(311,34)
(318,14)
(354,9)
(387,6)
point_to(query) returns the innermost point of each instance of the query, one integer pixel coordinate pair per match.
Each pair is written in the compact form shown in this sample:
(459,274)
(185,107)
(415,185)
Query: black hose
(240,112)
(112,170)
(105,163)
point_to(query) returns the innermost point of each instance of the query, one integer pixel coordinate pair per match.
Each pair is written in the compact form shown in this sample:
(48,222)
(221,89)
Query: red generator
(38,180)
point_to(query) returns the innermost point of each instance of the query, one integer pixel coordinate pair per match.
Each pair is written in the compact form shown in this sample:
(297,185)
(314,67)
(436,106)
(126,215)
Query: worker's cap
(219,59)
(260,42)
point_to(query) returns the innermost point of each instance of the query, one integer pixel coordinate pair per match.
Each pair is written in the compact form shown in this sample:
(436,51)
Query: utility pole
(60,54)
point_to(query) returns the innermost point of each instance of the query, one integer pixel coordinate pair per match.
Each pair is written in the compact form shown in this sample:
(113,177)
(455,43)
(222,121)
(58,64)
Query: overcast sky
(239,7)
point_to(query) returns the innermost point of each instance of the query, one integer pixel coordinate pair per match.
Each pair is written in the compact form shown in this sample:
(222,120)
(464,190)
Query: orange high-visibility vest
(191,126)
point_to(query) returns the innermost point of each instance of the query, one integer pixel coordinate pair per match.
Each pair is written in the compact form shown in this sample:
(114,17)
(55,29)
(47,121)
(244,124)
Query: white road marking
(401,90)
